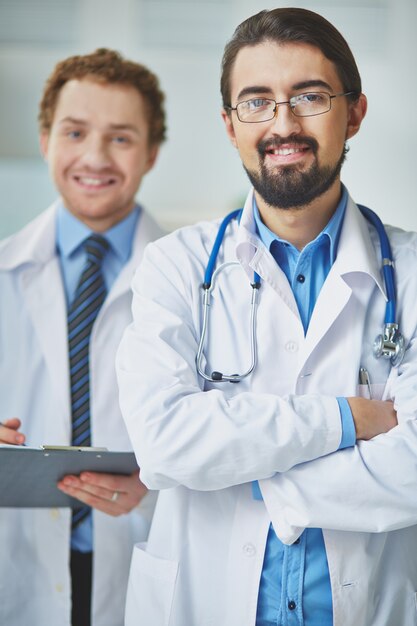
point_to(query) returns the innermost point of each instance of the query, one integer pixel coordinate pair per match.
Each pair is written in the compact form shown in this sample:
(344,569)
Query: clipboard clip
(72,448)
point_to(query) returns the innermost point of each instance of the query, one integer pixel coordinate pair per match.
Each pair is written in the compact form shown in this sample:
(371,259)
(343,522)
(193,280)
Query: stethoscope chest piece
(390,345)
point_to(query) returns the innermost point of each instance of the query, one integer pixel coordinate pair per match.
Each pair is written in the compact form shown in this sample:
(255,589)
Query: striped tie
(89,296)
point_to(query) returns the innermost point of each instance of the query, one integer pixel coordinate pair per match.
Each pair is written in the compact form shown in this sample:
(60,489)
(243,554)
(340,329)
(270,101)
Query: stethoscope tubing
(391,344)
(211,264)
(387,263)
(208,276)
(218,376)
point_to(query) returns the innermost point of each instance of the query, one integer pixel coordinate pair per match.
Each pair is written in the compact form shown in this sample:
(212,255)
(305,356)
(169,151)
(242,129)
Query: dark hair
(106,66)
(290,25)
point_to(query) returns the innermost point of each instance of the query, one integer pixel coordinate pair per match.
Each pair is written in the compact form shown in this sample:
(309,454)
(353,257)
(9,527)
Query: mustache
(276,142)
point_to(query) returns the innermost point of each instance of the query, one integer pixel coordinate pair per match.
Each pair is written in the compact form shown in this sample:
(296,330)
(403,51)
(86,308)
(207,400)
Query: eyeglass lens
(302,105)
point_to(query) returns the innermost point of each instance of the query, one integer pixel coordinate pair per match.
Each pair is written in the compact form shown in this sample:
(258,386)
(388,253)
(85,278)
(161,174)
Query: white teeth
(92,181)
(286,151)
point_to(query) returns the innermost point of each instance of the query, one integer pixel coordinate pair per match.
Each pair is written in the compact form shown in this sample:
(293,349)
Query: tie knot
(96,248)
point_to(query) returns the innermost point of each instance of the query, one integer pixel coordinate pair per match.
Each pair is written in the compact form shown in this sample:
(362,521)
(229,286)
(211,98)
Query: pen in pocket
(365,380)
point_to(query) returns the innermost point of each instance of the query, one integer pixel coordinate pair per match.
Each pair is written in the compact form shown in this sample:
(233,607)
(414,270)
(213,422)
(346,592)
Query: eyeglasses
(302,105)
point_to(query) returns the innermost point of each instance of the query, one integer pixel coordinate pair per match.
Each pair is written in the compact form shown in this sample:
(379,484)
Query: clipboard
(28,476)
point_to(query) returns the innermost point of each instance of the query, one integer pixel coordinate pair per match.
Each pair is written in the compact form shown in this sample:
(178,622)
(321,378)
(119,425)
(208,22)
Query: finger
(74,483)
(112,482)
(129,494)
(13,422)
(8,432)
(105,504)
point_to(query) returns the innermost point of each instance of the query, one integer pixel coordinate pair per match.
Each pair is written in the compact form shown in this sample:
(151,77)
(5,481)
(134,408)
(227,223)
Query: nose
(285,123)
(96,154)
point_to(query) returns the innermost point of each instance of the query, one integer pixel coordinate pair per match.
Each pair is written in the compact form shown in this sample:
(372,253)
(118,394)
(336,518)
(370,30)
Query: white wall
(198,173)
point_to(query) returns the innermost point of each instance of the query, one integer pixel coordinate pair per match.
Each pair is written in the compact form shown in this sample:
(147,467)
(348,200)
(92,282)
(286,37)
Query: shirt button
(301,278)
(249,549)
(291,346)
(296,541)
(292,605)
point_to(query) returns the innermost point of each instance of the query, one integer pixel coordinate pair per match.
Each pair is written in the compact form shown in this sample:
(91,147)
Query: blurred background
(198,174)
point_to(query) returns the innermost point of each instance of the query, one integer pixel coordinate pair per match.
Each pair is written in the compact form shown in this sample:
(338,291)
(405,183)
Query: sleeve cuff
(348,426)
(256,492)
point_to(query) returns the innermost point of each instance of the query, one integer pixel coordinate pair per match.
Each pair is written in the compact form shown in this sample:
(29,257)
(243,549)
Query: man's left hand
(110,493)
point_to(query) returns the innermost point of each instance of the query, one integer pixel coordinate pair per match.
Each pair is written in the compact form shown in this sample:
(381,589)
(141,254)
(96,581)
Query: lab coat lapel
(45,302)
(254,257)
(356,263)
(44,298)
(265,265)
(333,298)
(354,273)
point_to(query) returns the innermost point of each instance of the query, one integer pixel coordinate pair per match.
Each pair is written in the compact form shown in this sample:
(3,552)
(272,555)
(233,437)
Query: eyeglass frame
(277,104)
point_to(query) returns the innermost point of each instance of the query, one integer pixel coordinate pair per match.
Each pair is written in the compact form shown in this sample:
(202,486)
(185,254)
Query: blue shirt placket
(295,583)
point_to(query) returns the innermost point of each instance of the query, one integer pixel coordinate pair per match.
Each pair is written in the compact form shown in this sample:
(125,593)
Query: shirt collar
(72,232)
(331,230)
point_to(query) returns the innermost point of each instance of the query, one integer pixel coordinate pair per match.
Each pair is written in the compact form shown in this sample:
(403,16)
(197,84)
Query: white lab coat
(203,444)
(35,584)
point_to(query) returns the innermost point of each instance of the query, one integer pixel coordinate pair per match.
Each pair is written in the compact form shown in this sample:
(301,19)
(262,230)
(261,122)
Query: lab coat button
(291,346)
(54,513)
(59,588)
(249,549)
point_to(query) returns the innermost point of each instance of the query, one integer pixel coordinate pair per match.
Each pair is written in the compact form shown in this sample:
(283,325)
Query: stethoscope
(389,344)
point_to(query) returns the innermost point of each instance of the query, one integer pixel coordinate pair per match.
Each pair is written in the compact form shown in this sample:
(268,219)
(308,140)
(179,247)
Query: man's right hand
(372,417)
(9,434)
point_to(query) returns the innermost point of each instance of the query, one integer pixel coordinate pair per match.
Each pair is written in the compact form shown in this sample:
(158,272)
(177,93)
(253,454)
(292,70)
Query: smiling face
(98,151)
(291,160)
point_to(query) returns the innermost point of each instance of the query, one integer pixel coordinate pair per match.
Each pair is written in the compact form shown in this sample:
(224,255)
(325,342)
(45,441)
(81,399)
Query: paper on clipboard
(28,476)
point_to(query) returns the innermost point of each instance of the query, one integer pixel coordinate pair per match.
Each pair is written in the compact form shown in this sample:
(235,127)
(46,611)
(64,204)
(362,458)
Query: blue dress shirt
(70,236)
(295,584)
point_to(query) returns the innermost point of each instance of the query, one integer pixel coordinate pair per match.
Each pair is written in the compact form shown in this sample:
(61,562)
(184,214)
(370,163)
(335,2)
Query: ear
(152,156)
(357,111)
(227,119)
(43,144)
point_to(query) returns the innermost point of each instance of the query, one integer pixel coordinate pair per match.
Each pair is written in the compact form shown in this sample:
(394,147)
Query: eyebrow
(315,82)
(252,90)
(304,84)
(117,127)
(72,120)
(128,127)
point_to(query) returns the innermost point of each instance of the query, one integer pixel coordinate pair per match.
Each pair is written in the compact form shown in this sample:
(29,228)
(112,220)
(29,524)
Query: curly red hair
(106,66)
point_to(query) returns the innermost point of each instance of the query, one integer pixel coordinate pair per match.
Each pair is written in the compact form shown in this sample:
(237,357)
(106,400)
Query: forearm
(216,437)
(368,488)
(208,439)
(205,440)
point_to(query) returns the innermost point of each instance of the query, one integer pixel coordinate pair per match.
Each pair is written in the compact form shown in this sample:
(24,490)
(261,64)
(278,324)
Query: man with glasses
(289,497)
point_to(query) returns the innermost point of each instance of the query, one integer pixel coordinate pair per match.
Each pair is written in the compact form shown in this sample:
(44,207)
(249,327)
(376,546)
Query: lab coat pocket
(372,391)
(150,590)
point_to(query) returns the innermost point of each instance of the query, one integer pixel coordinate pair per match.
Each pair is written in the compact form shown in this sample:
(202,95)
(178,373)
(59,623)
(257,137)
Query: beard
(286,187)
